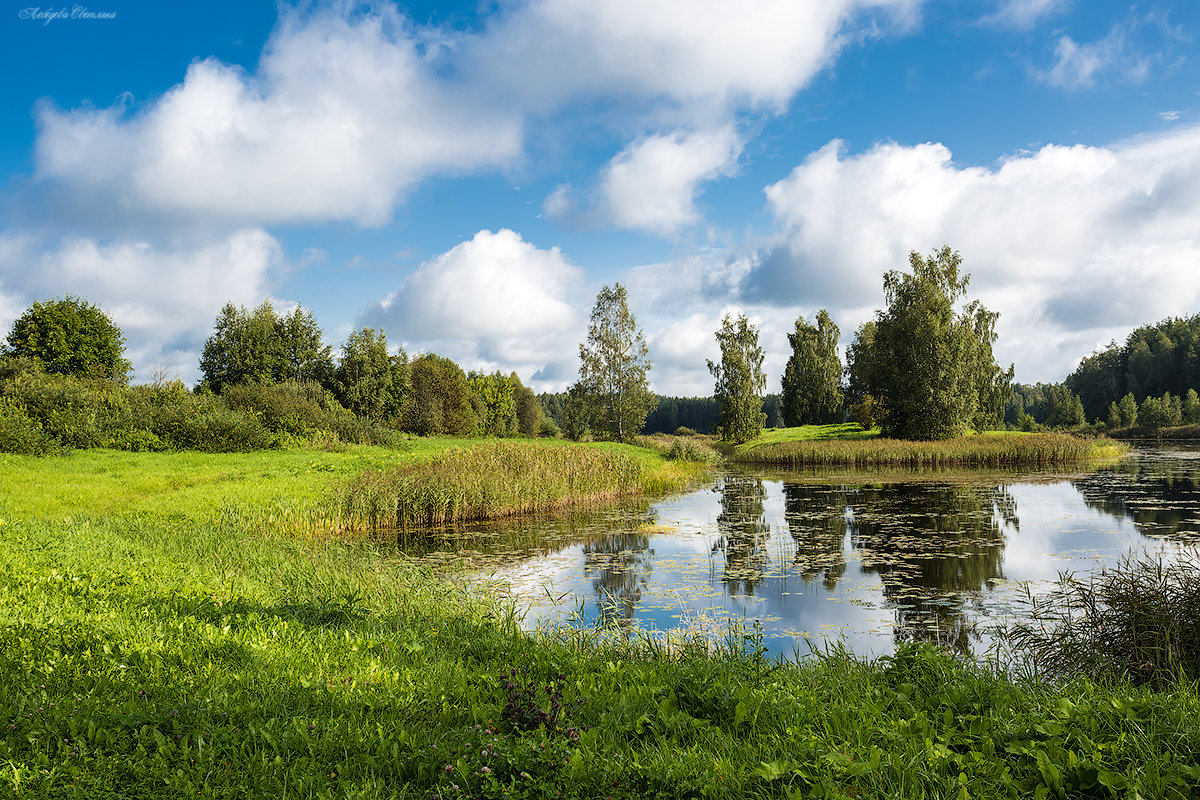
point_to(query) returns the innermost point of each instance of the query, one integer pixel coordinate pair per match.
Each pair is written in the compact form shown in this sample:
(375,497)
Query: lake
(868,557)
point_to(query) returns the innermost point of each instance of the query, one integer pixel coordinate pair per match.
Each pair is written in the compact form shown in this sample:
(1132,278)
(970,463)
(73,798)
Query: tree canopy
(70,336)
(612,388)
(739,380)
(261,346)
(930,368)
(812,380)
(369,380)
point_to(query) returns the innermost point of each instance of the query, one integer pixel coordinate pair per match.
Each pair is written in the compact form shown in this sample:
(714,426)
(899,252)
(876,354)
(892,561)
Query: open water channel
(871,558)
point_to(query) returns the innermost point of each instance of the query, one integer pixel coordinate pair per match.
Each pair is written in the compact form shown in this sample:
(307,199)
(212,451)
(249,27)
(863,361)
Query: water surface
(872,558)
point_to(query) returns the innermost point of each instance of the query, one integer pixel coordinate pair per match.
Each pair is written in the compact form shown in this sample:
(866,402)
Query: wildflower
(485,770)
(448,768)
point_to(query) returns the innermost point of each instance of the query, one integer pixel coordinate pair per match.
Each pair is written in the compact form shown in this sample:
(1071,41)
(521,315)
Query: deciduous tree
(812,380)
(739,380)
(369,380)
(70,336)
(613,363)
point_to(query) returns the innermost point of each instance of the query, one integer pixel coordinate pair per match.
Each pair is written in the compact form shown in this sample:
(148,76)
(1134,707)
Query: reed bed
(986,450)
(496,479)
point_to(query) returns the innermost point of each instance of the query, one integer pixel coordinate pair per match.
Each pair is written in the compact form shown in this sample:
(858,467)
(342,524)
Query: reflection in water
(1159,492)
(619,566)
(874,558)
(934,547)
(743,532)
(816,518)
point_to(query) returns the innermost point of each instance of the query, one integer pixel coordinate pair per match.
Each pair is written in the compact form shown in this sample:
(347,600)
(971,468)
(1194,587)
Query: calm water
(873,558)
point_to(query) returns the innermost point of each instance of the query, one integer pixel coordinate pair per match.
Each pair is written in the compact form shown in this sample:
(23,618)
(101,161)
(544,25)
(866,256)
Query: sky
(466,177)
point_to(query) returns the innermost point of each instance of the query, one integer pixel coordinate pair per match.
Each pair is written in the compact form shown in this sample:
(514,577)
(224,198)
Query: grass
(848,445)
(500,479)
(162,649)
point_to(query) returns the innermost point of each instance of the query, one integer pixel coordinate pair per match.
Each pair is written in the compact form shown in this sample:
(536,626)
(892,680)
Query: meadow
(168,631)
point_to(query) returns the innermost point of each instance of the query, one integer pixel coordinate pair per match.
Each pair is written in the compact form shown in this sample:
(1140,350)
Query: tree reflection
(932,545)
(816,519)
(1160,496)
(742,532)
(619,565)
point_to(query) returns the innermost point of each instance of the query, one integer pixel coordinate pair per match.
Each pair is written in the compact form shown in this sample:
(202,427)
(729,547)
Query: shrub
(689,450)
(684,430)
(79,413)
(299,409)
(19,434)
(549,429)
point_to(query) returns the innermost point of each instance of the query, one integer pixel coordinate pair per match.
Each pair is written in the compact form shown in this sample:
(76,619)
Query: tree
(929,367)
(812,380)
(494,403)
(1127,408)
(1191,407)
(70,336)
(369,380)
(739,380)
(439,400)
(529,410)
(261,346)
(613,363)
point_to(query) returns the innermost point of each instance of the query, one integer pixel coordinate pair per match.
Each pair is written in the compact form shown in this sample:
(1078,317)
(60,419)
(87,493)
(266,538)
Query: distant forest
(671,413)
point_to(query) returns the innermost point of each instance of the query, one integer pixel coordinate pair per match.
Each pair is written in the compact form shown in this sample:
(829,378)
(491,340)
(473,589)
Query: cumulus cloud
(164,299)
(1080,242)
(652,184)
(495,299)
(682,55)
(343,115)
(1024,14)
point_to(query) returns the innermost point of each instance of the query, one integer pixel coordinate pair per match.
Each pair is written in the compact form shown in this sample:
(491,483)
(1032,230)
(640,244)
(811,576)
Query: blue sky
(468,176)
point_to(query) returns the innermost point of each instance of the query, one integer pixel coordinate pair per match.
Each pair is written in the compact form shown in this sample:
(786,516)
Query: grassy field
(155,645)
(849,445)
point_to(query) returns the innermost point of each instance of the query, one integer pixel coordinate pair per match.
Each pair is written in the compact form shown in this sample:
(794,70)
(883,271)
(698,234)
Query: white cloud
(652,184)
(164,299)
(1070,244)
(1169,116)
(494,300)
(1127,54)
(1024,14)
(696,55)
(342,116)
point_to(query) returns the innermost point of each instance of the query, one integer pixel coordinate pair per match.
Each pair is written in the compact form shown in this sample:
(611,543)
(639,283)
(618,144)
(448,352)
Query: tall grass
(1137,621)
(985,450)
(498,479)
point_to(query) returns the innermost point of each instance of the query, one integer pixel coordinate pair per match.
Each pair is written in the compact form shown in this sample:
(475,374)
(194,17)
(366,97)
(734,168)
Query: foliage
(688,449)
(1139,621)
(548,428)
(739,380)
(612,389)
(529,410)
(262,346)
(439,402)
(812,380)
(493,398)
(697,413)
(70,337)
(931,370)
(1153,361)
(20,434)
(369,380)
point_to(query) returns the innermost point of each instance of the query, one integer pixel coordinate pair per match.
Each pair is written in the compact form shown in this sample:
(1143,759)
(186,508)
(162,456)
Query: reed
(984,450)
(498,479)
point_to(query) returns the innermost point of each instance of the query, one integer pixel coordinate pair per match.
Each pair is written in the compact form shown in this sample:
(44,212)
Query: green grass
(849,445)
(502,478)
(160,649)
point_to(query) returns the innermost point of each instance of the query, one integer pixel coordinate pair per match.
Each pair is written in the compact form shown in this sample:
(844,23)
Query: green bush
(78,412)
(548,428)
(689,450)
(19,434)
(684,430)
(299,409)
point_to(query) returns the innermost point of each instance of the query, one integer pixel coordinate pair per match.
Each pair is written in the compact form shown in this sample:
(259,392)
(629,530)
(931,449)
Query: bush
(690,450)
(79,413)
(19,434)
(548,428)
(1139,620)
(299,409)
(684,430)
